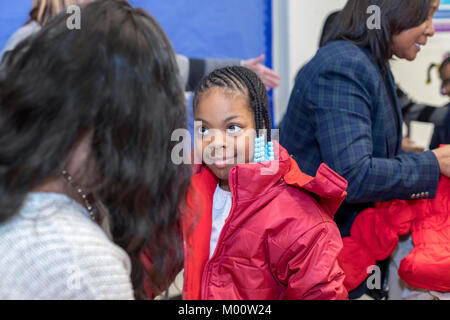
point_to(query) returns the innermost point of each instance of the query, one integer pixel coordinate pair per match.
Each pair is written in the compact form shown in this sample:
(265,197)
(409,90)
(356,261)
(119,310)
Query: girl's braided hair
(237,78)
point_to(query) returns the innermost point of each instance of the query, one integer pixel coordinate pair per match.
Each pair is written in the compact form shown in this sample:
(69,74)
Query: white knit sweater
(52,250)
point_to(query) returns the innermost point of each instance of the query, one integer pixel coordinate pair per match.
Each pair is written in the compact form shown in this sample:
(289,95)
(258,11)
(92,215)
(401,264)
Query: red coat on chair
(375,232)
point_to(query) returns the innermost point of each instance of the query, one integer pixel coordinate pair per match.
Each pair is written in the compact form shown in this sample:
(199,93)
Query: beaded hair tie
(263,152)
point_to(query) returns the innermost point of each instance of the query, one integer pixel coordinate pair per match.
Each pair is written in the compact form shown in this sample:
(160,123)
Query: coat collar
(250,180)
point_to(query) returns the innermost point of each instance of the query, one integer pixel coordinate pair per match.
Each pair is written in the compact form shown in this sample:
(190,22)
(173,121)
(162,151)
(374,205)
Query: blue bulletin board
(197,28)
(216,29)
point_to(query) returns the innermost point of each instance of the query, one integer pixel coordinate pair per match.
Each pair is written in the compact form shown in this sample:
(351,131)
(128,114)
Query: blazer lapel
(395,107)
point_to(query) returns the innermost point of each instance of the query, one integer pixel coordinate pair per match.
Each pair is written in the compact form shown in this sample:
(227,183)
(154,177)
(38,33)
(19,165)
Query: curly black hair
(117,77)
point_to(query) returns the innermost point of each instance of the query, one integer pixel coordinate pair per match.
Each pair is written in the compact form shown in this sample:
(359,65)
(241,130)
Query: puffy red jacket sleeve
(309,268)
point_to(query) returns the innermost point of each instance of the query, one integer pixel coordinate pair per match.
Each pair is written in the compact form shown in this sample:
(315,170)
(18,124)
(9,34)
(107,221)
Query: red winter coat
(279,240)
(374,236)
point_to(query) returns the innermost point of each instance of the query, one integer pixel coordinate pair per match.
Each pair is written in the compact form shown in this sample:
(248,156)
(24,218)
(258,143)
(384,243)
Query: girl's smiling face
(224,131)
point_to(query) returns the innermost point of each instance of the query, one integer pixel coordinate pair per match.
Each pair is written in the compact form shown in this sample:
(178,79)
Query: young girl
(250,234)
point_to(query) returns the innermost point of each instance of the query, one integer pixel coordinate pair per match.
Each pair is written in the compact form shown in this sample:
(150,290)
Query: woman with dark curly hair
(86,177)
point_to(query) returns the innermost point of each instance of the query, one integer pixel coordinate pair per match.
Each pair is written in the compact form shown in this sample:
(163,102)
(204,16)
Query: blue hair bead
(263,151)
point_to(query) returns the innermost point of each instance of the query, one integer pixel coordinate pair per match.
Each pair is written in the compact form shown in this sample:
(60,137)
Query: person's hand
(409,145)
(443,156)
(267,75)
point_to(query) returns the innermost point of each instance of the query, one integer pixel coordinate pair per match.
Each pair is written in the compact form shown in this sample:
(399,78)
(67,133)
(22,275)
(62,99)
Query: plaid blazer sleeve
(342,101)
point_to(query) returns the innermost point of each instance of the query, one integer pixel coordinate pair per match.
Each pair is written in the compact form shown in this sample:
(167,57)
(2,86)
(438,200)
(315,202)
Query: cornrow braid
(237,78)
(257,94)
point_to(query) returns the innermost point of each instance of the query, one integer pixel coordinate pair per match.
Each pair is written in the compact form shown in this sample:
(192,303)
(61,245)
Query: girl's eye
(233,129)
(202,130)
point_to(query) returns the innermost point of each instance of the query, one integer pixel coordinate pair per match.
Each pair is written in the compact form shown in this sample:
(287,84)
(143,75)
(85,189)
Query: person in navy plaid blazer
(344,111)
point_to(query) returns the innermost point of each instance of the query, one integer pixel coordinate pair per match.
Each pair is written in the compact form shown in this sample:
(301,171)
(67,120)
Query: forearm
(405,177)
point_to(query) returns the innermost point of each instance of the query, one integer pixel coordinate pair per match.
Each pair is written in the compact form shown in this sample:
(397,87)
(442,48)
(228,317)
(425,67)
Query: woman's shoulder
(65,220)
(54,245)
(340,62)
(343,49)
(341,55)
